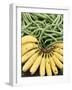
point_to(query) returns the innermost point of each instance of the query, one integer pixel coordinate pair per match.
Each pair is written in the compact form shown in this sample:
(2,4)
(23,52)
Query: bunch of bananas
(47,61)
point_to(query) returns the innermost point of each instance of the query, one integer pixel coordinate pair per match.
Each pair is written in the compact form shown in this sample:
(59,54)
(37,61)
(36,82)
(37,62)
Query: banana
(26,47)
(59,50)
(53,66)
(48,67)
(60,57)
(28,39)
(42,66)
(36,64)
(29,63)
(28,55)
(57,62)
(59,45)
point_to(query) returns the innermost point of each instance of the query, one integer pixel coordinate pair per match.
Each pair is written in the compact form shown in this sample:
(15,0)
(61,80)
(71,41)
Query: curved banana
(29,38)
(36,64)
(28,55)
(26,47)
(29,63)
(53,66)
(59,45)
(42,66)
(48,67)
(60,57)
(59,50)
(57,62)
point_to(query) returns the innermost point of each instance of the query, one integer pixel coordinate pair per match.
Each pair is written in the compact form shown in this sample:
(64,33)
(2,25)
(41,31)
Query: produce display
(41,44)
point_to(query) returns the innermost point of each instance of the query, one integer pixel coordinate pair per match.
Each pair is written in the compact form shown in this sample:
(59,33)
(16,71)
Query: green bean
(60,21)
(31,28)
(57,22)
(25,18)
(47,28)
(61,30)
(52,31)
(41,35)
(39,15)
(38,34)
(34,18)
(29,17)
(24,27)
(44,36)
(52,16)
(53,43)
(59,38)
(36,30)
(25,32)
(55,19)
(50,36)
(47,40)
(48,17)
(39,22)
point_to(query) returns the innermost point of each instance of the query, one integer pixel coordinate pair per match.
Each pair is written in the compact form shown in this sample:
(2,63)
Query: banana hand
(28,39)
(48,67)
(59,50)
(26,47)
(29,63)
(28,55)
(36,64)
(57,62)
(53,66)
(60,57)
(59,45)
(42,66)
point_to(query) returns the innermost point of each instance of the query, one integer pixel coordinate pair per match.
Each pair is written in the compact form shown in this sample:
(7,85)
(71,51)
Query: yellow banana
(60,57)
(59,50)
(29,38)
(28,55)
(42,66)
(53,66)
(36,64)
(57,62)
(29,63)
(59,45)
(48,67)
(26,47)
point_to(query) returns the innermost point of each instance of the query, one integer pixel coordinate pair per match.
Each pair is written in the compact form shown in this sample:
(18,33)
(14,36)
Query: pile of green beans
(47,28)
